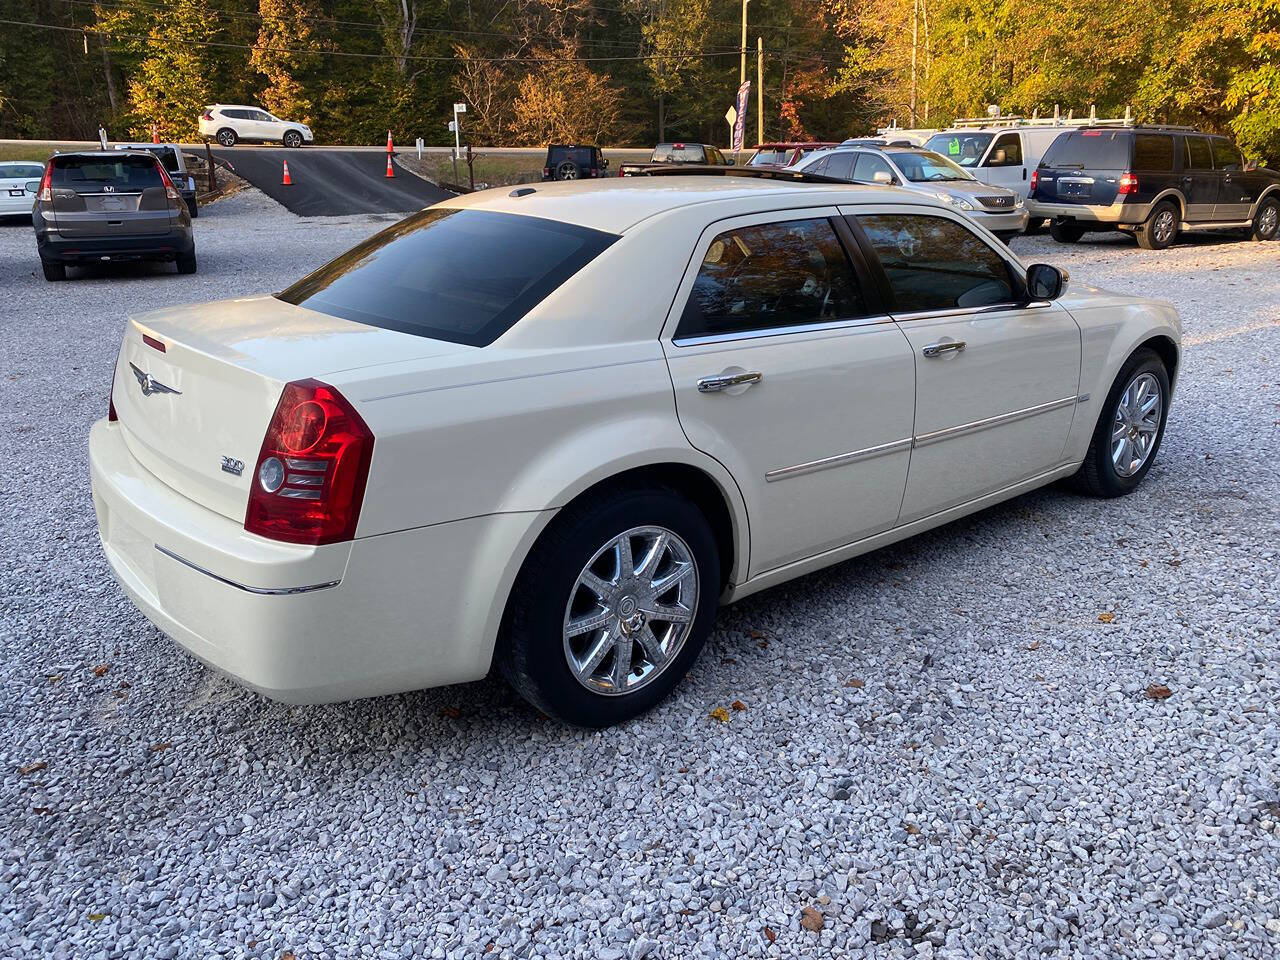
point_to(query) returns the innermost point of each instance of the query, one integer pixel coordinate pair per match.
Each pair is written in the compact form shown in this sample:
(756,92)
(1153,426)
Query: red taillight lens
(309,480)
(546,171)
(170,190)
(1128,183)
(206,115)
(46,183)
(1035,180)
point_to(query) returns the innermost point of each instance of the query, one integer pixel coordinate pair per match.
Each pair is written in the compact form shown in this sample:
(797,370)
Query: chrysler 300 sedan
(550,430)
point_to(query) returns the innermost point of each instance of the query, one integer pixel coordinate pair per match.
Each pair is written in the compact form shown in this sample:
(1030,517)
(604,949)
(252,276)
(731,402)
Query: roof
(112,154)
(619,203)
(794,144)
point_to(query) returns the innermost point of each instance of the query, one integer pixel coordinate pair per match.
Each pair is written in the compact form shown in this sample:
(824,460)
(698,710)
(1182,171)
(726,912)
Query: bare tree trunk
(109,76)
(408,23)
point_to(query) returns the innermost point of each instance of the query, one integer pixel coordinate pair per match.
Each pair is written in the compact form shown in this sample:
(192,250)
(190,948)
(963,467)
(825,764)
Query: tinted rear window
(91,174)
(17,171)
(679,153)
(466,276)
(582,156)
(1089,149)
(1152,151)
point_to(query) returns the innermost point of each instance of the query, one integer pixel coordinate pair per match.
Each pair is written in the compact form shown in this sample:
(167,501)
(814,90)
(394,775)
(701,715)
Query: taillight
(1035,180)
(1128,183)
(46,183)
(309,480)
(546,171)
(206,115)
(170,190)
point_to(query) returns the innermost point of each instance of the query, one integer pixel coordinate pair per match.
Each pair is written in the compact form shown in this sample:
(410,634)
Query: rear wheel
(1035,225)
(1129,430)
(568,170)
(53,271)
(1160,229)
(1266,223)
(227,137)
(292,138)
(187,262)
(612,607)
(1066,231)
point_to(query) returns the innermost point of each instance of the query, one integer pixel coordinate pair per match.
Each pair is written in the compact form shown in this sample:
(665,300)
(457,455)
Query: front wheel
(1160,229)
(1005,236)
(612,607)
(1129,430)
(1266,223)
(1066,231)
(53,271)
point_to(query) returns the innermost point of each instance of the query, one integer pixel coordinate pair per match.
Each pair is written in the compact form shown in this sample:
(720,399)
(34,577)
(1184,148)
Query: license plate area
(1074,187)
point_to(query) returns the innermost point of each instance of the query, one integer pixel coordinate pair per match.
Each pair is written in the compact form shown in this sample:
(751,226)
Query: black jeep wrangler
(567,161)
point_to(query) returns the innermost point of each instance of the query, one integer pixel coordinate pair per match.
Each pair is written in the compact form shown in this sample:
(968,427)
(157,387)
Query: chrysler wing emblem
(150,384)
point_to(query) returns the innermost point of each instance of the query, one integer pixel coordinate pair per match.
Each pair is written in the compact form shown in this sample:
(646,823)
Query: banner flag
(740,122)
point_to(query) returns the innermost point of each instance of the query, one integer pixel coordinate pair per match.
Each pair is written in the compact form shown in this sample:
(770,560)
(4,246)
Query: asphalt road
(331,182)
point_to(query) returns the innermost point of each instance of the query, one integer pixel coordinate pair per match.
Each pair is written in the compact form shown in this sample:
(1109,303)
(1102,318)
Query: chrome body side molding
(260,591)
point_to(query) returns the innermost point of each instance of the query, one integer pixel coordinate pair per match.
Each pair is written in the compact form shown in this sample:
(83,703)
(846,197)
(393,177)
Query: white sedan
(19,184)
(552,429)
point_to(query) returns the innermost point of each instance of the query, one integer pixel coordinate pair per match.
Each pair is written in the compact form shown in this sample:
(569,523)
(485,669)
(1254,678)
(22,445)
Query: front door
(1199,182)
(996,378)
(788,372)
(1004,166)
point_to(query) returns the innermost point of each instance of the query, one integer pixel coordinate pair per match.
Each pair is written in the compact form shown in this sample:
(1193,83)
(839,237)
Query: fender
(1269,192)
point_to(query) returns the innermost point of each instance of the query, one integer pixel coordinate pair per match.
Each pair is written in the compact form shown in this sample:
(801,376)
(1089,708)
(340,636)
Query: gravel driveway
(1050,729)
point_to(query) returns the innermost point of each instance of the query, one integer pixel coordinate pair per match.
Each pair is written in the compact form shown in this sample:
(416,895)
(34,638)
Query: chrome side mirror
(882,176)
(1046,282)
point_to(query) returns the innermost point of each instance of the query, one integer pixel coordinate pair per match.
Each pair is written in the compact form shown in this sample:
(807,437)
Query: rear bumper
(16,206)
(58,249)
(1114,214)
(303,624)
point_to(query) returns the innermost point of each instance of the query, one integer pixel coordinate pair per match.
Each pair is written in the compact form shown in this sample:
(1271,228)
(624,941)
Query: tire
(1160,229)
(533,650)
(568,170)
(187,262)
(292,139)
(1099,475)
(1035,225)
(1266,223)
(1065,231)
(193,208)
(227,137)
(1005,236)
(53,271)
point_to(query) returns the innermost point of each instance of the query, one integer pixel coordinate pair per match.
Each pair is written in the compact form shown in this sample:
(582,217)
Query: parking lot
(1052,727)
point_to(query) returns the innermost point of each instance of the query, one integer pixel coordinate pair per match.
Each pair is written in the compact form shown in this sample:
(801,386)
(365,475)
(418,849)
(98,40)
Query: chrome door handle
(938,349)
(723,381)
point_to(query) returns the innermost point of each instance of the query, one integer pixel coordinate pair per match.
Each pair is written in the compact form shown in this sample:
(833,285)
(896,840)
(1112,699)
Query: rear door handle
(722,381)
(938,349)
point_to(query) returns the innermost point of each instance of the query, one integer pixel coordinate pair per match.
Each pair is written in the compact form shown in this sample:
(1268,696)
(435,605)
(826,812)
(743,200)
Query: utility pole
(759,90)
(742,69)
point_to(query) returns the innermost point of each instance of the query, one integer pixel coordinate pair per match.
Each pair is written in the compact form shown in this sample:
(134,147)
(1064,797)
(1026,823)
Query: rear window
(91,174)
(679,153)
(1152,152)
(1089,149)
(18,171)
(582,156)
(466,276)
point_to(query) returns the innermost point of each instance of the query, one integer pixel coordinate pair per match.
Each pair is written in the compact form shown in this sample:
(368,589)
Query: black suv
(567,161)
(1152,182)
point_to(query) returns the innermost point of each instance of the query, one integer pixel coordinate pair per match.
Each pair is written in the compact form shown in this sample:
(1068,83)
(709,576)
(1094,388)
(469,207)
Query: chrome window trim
(259,591)
(962,311)
(764,332)
(839,460)
(948,433)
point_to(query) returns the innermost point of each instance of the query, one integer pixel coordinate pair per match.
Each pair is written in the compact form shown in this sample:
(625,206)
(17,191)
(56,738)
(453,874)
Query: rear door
(100,197)
(1155,162)
(1235,198)
(1084,167)
(1199,180)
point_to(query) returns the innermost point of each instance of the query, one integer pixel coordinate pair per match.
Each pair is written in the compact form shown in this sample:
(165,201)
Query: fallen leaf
(157,747)
(811,919)
(453,713)
(100,669)
(97,917)
(43,811)
(1144,564)
(1106,617)
(683,770)
(912,829)
(288,955)
(721,714)
(55,677)
(1158,691)
(728,660)
(856,683)
(764,644)
(756,634)
(32,768)
(1034,646)
(738,705)
(769,934)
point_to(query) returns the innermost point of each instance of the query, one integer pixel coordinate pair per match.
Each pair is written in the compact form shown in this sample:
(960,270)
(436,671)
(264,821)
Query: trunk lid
(1084,167)
(212,391)
(106,196)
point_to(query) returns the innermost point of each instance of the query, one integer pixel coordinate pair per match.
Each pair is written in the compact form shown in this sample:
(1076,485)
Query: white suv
(230,123)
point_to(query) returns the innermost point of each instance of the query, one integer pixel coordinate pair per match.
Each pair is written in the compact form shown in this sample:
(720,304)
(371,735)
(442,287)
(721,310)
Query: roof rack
(1058,120)
(706,170)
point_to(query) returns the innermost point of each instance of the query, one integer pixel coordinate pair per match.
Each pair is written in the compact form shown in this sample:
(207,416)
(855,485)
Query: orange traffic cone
(390,148)
(155,134)
(286,180)
(390,172)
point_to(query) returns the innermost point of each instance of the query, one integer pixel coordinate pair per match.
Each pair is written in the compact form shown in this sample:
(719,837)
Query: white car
(229,123)
(551,429)
(19,184)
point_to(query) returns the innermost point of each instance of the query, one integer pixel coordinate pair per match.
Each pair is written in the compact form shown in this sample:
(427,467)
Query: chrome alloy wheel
(1137,424)
(630,610)
(568,170)
(1268,221)
(1162,229)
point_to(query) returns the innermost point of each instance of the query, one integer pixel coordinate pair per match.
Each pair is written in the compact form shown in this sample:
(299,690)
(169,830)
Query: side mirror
(730,161)
(604,163)
(882,176)
(32,186)
(1045,282)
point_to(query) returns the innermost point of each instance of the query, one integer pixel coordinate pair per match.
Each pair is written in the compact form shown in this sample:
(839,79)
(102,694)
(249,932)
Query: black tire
(1097,475)
(531,648)
(53,271)
(227,137)
(568,170)
(292,138)
(1065,231)
(1266,222)
(1160,229)
(1004,236)
(187,262)
(1035,225)
(193,208)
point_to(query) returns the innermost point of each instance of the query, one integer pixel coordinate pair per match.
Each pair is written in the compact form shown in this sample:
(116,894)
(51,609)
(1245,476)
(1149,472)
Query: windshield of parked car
(1092,149)
(19,171)
(95,174)
(966,149)
(466,276)
(925,166)
(678,153)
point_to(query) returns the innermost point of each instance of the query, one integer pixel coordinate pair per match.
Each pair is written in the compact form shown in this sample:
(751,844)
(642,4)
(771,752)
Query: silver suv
(106,206)
(1000,210)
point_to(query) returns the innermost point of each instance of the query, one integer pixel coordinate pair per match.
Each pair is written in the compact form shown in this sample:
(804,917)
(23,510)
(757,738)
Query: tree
(280,55)
(563,101)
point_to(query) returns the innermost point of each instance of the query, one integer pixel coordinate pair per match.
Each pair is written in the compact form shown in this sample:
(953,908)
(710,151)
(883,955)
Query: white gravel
(996,782)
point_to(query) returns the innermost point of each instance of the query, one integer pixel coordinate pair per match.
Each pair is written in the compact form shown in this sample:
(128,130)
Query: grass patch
(36,152)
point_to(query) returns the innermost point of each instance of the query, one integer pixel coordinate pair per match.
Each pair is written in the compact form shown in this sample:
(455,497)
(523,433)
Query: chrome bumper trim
(948,433)
(839,460)
(260,591)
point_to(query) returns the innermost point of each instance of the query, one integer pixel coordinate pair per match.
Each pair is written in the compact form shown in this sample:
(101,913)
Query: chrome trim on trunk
(260,591)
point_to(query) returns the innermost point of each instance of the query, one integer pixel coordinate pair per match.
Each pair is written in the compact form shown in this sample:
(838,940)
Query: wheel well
(1167,351)
(690,482)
